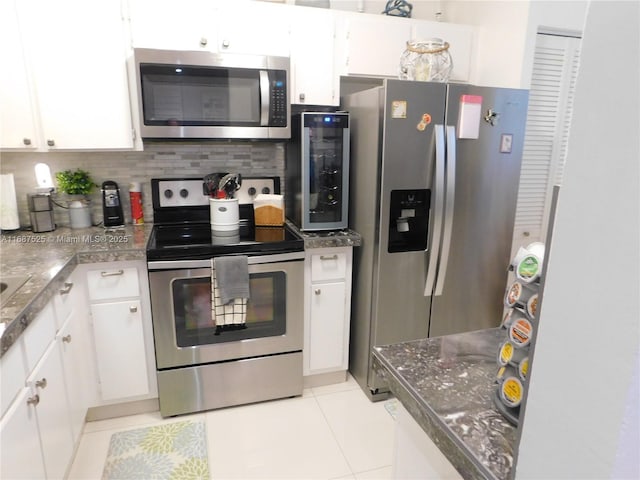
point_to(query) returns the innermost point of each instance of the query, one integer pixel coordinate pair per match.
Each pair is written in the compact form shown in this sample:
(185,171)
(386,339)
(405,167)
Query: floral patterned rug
(173,451)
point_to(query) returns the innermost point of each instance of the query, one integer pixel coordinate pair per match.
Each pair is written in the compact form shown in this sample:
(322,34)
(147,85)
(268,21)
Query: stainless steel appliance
(435,175)
(111,205)
(200,365)
(317,171)
(184,94)
(41,212)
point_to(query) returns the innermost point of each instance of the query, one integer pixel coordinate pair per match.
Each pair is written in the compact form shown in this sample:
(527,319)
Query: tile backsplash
(158,160)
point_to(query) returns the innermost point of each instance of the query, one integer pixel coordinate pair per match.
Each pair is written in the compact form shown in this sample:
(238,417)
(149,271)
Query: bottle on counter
(135,196)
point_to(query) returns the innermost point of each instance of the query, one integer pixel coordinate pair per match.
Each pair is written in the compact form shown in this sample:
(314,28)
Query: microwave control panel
(278,114)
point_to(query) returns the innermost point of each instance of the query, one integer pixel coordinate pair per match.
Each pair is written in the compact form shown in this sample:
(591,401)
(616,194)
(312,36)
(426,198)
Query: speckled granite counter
(49,258)
(333,238)
(447,383)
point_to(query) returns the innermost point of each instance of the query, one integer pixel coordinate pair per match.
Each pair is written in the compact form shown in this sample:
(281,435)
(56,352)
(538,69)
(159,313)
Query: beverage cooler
(317,171)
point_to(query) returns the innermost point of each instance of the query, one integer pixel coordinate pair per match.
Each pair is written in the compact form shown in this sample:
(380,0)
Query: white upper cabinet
(236,27)
(314,79)
(75,56)
(258,28)
(184,25)
(371,44)
(461,39)
(18,127)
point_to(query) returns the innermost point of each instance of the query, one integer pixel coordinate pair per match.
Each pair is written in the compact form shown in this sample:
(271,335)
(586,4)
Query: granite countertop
(49,258)
(328,239)
(447,384)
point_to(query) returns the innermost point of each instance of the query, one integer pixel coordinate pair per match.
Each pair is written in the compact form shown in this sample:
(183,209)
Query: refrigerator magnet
(469,116)
(399,109)
(506,140)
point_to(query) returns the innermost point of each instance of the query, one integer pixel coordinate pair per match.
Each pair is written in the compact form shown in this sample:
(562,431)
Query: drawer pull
(133,309)
(112,274)
(66,338)
(326,257)
(67,288)
(41,383)
(317,291)
(35,400)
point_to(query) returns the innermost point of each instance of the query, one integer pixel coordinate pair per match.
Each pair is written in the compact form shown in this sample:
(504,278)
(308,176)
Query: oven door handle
(205,263)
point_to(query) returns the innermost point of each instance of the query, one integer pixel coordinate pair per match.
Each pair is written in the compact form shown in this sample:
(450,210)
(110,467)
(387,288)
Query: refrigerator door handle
(438,208)
(448,209)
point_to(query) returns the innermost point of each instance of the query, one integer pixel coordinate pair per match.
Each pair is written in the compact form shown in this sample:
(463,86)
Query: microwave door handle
(264,98)
(448,209)
(438,208)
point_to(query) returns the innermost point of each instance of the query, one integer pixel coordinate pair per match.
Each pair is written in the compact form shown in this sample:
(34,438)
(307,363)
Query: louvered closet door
(546,140)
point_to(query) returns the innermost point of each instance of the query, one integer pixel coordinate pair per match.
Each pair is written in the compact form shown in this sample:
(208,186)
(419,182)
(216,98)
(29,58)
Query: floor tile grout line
(333,433)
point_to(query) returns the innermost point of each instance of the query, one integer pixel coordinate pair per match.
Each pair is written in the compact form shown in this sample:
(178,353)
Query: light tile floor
(330,432)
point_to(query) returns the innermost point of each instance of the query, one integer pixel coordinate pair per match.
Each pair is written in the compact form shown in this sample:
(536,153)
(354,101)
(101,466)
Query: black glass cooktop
(197,241)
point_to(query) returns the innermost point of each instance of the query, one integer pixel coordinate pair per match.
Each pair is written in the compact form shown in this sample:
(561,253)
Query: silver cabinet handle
(26,141)
(326,257)
(302,97)
(67,288)
(317,291)
(133,309)
(51,143)
(67,338)
(112,274)
(41,383)
(225,43)
(203,42)
(35,400)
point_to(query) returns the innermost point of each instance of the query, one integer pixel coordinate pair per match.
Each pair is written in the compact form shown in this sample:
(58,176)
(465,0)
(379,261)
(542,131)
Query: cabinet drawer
(328,266)
(109,283)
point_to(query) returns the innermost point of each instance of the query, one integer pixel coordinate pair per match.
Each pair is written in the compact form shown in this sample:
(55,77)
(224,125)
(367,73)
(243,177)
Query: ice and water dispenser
(408,220)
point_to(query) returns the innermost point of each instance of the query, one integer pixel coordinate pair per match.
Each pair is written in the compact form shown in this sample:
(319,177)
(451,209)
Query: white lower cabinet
(52,412)
(121,333)
(327,310)
(120,352)
(414,453)
(20,452)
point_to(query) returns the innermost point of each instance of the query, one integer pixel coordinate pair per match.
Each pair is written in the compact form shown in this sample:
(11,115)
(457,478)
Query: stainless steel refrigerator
(434,181)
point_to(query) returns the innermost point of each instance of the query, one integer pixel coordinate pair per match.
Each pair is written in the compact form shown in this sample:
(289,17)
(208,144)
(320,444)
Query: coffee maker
(41,212)
(111,205)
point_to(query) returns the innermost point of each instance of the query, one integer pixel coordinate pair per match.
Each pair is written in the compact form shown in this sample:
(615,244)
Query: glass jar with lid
(426,60)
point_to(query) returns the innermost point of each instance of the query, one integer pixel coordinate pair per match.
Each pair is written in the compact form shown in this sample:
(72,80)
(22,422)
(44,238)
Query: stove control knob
(266,190)
(251,191)
(184,193)
(168,193)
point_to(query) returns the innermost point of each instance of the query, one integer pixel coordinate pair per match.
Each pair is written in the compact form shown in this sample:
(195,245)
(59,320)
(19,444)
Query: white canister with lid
(224,216)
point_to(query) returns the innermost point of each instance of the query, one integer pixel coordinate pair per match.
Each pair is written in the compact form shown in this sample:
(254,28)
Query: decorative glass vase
(426,60)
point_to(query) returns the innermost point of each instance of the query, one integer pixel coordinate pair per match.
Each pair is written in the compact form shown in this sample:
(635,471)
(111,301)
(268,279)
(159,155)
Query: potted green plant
(77,183)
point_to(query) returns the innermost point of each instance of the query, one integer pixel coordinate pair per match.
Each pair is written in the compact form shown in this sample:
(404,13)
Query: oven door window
(194,322)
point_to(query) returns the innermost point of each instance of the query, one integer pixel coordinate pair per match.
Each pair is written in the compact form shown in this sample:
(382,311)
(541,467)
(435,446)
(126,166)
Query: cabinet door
(52,412)
(69,340)
(374,44)
(185,25)
(460,39)
(119,347)
(314,79)
(328,328)
(76,50)
(20,452)
(17,121)
(262,29)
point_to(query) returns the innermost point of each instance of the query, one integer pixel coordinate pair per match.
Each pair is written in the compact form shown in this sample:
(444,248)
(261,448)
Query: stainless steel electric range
(199,365)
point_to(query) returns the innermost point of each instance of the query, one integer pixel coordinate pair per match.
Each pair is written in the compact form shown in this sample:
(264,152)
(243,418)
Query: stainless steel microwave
(204,95)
